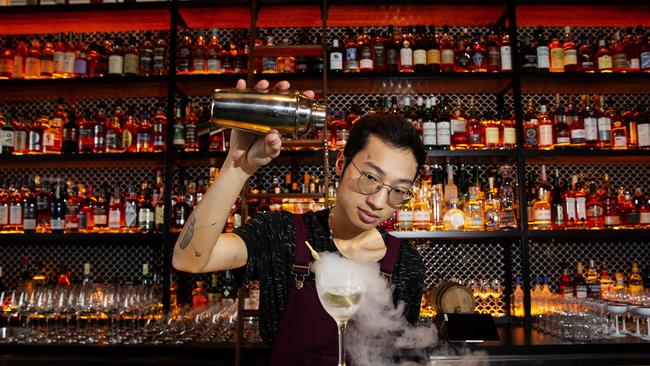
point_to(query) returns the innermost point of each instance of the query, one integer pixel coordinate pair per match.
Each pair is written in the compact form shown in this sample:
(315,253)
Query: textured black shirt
(271,242)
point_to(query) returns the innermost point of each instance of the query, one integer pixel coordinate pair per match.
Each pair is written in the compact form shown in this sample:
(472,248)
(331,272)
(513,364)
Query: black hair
(393,129)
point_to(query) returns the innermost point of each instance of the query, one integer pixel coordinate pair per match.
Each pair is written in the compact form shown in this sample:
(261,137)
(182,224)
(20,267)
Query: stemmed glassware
(340,294)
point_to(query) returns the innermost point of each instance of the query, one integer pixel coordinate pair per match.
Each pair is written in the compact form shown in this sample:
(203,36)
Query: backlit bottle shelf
(94,238)
(619,234)
(499,234)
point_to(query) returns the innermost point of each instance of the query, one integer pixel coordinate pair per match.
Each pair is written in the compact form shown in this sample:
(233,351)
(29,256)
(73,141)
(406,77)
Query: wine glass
(340,294)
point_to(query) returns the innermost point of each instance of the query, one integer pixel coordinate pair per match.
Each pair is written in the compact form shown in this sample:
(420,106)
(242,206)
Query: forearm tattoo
(188,233)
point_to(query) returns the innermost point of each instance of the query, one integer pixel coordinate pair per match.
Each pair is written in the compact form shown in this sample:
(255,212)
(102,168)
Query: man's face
(395,167)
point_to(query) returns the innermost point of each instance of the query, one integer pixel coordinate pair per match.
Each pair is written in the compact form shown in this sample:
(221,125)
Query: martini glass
(340,294)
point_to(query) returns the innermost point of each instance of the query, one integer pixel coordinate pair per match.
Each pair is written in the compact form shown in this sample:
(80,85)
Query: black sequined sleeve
(410,270)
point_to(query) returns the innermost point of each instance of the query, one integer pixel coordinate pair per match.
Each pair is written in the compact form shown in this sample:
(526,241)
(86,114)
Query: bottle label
(433,57)
(58,61)
(570,57)
(619,61)
(366,63)
(458,126)
(542,57)
(531,136)
(131,215)
(429,133)
(113,140)
(145,217)
(581,208)
(34,141)
(605,62)
(506,58)
(47,64)
(542,215)
(131,63)
(114,217)
(492,136)
(15,214)
(18,67)
(422,216)
(351,60)
(4,215)
(447,56)
(570,205)
(645,60)
(159,59)
(57,224)
(634,64)
(563,139)
(336,61)
(475,137)
(48,138)
(379,52)
(159,215)
(443,133)
(477,59)
(406,57)
(620,141)
(591,129)
(578,135)
(68,62)
(100,218)
(420,57)
(392,56)
(116,64)
(214,65)
(581,291)
(7,139)
(545,135)
(29,224)
(643,219)
(405,216)
(509,136)
(604,129)
(557,59)
(32,66)
(612,220)
(644,134)
(494,57)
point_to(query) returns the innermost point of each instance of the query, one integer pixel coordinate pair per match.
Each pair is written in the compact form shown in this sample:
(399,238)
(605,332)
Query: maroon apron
(308,334)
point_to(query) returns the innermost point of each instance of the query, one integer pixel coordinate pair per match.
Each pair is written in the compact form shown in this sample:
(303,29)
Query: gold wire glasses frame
(369,183)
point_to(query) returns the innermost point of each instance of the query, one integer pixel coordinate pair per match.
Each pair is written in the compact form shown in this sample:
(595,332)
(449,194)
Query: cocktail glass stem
(341,329)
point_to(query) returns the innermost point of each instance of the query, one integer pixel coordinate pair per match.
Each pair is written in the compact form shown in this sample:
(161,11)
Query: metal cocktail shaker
(291,113)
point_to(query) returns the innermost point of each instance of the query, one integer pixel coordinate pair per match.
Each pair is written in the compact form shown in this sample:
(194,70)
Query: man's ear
(340,163)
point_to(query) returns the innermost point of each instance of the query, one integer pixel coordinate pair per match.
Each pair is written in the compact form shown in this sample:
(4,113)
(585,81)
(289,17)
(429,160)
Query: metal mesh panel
(593,33)
(36,107)
(110,260)
(95,37)
(454,32)
(548,258)
(224,34)
(618,100)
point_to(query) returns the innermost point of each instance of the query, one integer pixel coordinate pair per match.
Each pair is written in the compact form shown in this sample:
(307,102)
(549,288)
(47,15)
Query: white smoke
(378,332)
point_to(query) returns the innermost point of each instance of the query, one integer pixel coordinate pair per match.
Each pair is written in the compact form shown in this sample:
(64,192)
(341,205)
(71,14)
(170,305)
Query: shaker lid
(318,115)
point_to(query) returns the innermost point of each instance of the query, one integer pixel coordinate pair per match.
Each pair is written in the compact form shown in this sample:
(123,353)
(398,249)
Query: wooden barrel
(452,297)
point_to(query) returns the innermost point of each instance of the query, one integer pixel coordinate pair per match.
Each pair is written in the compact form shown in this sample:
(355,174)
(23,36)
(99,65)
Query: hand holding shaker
(291,113)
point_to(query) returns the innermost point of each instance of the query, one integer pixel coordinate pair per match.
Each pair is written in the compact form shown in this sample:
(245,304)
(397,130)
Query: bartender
(376,170)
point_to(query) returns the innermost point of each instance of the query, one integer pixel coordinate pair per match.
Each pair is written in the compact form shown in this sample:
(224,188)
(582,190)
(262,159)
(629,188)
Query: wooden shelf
(85,18)
(585,83)
(84,88)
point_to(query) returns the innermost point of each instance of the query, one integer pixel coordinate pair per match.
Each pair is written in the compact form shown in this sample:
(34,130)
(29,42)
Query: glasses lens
(369,183)
(399,196)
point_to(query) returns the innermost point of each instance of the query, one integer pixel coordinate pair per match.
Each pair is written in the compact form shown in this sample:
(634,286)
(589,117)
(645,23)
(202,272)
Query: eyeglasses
(369,183)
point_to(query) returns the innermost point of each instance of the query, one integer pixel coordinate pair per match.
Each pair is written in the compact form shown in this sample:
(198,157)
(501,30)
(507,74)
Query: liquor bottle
(405,217)
(20,133)
(116,58)
(420,45)
(506,52)
(69,55)
(252,299)
(87,210)
(603,57)
(604,121)
(47,58)
(393,46)
(35,136)
(566,286)
(507,201)
(541,210)
(15,206)
(229,289)
(518,299)
(405,62)
(29,206)
(116,220)
(43,196)
(378,46)
(632,43)
(491,205)
(131,209)
(443,125)
(629,208)
(95,61)
(146,55)
(20,54)
(459,136)
(144,138)
(544,129)
(542,50)
(558,214)
(159,210)
(214,295)
(508,130)
(7,136)
(70,136)
(556,54)
(433,50)
(199,299)
(561,128)
(447,52)
(595,210)
(464,52)
(586,56)
(493,131)
(630,121)
(580,195)
(569,201)
(53,134)
(494,50)
(422,211)
(33,60)
(351,52)
(99,130)
(72,209)
(160,55)
(570,53)
(191,120)
(576,124)
(451,190)
(7,61)
(87,278)
(619,57)
(619,129)
(580,284)
(473,211)
(58,209)
(528,55)
(531,131)
(114,134)
(644,53)
(634,280)
(4,206)
(131,58)
(213,53)
(100,211)
(365,51)
(146,212)
(593,281)
(241,58)
(180,211)
(429,137)
(184,55)
(336,57)
(199,56)
(454,218)
(475,129)
(63,279)
(606,282)
(86,134)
